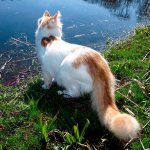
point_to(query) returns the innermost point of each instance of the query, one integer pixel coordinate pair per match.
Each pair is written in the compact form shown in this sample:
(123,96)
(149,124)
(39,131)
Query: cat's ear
(57,15)
(39,21)
(46,13)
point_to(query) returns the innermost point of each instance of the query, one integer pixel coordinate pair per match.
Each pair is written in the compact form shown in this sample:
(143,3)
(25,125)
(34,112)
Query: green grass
(33,118)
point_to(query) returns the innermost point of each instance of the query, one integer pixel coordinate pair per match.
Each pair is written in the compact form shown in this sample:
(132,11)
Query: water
(94,23)
(86,22)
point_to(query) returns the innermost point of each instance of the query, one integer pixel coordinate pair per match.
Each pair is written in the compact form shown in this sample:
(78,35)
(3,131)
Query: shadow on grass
(71,112)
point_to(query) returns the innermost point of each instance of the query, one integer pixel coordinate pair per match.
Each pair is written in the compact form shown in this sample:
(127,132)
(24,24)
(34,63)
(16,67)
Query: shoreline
(27,109)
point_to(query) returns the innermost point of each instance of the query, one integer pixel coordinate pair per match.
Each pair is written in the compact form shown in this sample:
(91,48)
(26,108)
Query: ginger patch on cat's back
(47,40)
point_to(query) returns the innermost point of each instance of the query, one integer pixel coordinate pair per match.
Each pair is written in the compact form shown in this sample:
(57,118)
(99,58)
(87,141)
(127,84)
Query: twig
(25,43)
(129,99)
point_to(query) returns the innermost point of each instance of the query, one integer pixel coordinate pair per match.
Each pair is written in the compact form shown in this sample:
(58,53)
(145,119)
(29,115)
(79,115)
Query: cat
(80,69)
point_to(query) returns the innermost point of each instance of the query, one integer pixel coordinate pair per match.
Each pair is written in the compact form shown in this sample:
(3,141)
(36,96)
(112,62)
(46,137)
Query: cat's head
(50,22)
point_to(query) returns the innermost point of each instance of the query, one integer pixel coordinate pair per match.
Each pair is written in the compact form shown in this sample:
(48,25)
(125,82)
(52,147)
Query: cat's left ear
(57,15)
(46,13)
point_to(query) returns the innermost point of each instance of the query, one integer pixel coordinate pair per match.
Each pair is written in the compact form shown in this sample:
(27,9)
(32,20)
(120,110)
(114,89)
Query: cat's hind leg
(75,82)
(70,92)
(47,80)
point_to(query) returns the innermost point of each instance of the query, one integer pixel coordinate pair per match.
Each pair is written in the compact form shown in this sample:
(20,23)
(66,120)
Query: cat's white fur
(61,60)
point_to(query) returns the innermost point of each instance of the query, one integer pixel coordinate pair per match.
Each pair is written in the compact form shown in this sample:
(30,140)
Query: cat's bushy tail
(123,126)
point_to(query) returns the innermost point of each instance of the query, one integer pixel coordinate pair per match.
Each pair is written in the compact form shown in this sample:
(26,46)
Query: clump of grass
(29,117)
(46,128)
(76,137)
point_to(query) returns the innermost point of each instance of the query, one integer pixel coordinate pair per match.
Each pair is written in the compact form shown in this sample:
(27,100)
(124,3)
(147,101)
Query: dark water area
(87,22)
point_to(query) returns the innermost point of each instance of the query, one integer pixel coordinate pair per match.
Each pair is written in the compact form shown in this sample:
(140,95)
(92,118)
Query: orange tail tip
(124,126)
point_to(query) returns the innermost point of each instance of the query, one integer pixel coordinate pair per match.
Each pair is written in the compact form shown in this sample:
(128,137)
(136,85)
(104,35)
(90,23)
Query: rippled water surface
(86,22)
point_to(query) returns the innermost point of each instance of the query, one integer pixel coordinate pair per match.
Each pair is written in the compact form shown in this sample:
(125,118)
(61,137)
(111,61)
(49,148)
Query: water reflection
(85,24)
(144,8)
(123,8)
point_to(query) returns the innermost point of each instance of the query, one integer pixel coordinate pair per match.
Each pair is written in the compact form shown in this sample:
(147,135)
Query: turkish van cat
(81,70)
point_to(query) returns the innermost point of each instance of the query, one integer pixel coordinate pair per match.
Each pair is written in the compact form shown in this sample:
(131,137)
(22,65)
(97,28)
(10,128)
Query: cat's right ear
(46,13)
(57,15)
(39,21)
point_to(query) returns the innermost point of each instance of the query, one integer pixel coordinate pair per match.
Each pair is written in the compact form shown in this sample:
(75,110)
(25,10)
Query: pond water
(86,22)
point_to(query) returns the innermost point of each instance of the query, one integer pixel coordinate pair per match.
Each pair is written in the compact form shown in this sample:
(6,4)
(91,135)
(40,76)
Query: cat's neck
(44,32)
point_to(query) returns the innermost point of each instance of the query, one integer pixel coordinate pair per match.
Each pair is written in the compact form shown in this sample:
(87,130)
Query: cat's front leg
(47,80)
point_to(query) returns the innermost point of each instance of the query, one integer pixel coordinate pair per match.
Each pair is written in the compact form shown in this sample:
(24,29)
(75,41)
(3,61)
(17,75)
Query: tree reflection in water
(123,8)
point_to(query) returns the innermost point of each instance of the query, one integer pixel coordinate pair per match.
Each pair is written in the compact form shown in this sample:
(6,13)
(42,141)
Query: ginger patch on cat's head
(49,21)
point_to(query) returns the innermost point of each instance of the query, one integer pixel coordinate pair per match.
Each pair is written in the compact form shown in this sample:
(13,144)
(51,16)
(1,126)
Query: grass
(33,118)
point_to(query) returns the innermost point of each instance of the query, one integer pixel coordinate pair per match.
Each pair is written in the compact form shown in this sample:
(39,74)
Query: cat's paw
(60,92)
(45,86)
(67,96)
(64,93)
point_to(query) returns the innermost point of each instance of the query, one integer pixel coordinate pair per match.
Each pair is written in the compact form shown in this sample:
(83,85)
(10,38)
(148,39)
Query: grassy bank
(33,118)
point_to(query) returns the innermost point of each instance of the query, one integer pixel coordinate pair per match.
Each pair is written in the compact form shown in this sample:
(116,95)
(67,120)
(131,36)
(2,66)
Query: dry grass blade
(129,111)
(24,59)
(146,124)
(124,85)
(142,144)
(129,142)
(17,95)
(129,99)
(146,74)
(13,40)
(139,83)
(3,67)
(146,55)
(83,145)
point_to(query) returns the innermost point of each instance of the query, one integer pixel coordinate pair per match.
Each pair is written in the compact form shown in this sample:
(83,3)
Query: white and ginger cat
(81,70)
